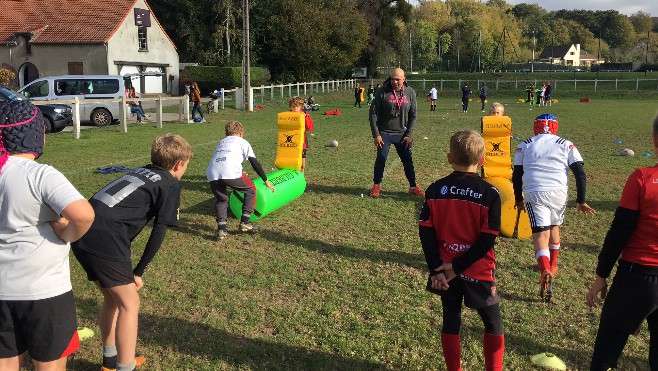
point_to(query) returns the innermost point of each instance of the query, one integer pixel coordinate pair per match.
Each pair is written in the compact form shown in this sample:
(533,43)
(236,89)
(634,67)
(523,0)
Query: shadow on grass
(412,260)
(327,189)
(218,345)
(610,206)
(589,249)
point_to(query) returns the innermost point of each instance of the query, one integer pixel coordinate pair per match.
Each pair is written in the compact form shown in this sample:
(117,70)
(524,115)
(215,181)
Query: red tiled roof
(64,21)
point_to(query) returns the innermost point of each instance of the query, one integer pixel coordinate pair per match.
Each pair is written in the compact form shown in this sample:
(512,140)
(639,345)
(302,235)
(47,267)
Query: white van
(85,87)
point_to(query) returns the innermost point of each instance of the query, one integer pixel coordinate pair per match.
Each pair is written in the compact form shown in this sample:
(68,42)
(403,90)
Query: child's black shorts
(632,297)
(476,294)
(45,328)
(304,153)
(108,273)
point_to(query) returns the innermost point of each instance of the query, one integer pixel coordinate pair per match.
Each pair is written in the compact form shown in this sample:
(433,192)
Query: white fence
(564,85)
(261,93)
(183,112)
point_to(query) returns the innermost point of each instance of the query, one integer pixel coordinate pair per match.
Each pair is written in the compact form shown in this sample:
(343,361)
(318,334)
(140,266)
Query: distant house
(92,37)
(567,55)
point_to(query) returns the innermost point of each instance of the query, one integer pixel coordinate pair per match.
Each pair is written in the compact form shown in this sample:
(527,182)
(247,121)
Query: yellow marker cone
(85,333)
(549,361)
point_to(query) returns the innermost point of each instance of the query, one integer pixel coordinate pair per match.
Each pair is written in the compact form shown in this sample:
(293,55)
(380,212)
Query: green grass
(336,281)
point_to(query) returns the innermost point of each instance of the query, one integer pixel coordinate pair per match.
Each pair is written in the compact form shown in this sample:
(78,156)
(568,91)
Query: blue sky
(627,7)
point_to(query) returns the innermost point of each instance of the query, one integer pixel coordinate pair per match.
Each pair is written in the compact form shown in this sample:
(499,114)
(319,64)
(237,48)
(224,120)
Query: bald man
(392,121)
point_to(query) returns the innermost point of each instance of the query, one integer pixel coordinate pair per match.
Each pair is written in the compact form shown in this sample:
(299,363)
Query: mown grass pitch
(336,280)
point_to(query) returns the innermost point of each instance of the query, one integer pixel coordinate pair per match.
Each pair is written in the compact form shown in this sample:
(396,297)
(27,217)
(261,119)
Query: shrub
(6,77)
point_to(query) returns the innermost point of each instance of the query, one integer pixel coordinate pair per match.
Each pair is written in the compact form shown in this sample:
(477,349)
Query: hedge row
(210,78)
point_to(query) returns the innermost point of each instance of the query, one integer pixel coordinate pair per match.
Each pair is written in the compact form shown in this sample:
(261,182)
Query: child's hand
(138,282)
(519,205)
(600,286)
(439,282)
(269,185)
(585,209)
(59,226)
(447,270)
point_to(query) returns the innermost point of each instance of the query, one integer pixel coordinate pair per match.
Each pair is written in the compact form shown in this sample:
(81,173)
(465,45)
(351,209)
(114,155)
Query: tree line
(299,40)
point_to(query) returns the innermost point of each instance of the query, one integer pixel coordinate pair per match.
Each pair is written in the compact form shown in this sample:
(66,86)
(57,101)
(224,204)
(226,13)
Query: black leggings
(452,317)
(610,342)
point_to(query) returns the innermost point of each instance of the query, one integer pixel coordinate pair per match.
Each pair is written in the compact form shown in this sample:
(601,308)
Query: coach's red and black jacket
(458,224)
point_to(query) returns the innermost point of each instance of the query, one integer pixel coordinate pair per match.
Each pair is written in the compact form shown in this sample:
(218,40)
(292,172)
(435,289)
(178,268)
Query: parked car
(57,115)
(95,88)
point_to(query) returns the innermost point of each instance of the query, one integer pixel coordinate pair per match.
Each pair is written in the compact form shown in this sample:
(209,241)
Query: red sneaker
(416,191)
(374,192)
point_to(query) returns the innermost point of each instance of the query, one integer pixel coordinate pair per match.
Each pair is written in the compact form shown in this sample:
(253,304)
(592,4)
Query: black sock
(245,219)
(110,362)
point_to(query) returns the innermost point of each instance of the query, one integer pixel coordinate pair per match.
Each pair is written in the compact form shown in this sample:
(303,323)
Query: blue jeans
(138,111)
(403,152)
(195,108)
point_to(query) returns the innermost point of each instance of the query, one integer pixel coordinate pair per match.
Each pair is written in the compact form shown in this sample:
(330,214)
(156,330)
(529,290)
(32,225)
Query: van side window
(38,89)
(102,86)
(67,87)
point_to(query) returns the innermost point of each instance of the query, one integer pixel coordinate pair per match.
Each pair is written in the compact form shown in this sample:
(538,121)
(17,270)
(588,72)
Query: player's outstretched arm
(76,220)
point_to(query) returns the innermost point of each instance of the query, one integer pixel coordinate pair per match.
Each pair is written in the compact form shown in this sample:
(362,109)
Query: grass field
(336,281)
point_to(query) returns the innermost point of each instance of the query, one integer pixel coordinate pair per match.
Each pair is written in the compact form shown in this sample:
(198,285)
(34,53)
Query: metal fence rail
(562,84)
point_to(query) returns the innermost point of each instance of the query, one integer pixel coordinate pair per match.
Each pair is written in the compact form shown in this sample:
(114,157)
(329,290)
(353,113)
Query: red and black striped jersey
(463,212)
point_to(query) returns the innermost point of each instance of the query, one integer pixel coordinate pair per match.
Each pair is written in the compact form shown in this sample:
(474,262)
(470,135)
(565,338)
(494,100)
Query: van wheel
(101,117)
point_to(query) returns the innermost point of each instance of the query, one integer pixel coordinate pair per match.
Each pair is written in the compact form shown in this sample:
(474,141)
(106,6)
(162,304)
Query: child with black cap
(40,214)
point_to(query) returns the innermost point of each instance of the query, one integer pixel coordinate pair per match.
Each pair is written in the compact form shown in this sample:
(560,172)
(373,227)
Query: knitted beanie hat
(22,129)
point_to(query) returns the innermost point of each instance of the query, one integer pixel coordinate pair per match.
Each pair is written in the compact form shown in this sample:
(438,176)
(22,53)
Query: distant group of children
(540,95)
(41,212)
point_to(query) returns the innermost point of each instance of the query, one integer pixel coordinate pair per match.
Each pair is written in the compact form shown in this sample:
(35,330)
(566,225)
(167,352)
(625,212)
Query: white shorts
(545,208)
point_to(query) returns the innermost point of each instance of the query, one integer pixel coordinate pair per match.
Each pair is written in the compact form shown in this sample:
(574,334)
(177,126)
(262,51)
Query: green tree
(306,41)
(642,22)
(425,39)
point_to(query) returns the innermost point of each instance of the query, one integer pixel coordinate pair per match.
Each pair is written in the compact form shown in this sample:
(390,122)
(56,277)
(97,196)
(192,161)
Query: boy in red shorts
(458,225)
(40,214)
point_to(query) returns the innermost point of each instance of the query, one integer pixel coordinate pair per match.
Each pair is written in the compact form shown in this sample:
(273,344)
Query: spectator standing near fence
(195,98)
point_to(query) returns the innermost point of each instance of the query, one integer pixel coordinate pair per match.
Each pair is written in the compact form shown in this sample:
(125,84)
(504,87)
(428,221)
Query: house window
(572,53)
(141,36)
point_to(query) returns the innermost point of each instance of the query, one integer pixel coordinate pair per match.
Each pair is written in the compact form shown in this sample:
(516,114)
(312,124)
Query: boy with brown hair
(40,213)
(458,225)
(296,104)
(225,170)
(123,208)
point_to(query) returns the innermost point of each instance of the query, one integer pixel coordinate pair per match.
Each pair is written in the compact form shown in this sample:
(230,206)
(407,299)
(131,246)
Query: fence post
(158,112)
(298,89)
(616,80)
(574,84)
(186,108)
(596,81)
(223,95)
(76,118)
(637,84)
(423,84)
(123,116)
(441,84)
(272,93)
(304,89)
(262,93)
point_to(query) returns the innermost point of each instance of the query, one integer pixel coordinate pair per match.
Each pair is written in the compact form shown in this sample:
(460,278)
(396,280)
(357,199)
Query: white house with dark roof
(567,55)
(93,37)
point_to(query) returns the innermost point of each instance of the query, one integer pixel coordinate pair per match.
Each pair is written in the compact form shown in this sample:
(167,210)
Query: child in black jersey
(458,225)
(123,208)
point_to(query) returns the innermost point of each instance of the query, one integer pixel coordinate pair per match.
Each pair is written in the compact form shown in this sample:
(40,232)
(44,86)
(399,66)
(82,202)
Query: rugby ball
(333,143)
(626,152)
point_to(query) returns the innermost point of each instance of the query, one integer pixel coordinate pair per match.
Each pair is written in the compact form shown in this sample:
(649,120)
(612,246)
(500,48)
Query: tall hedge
(210,78)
